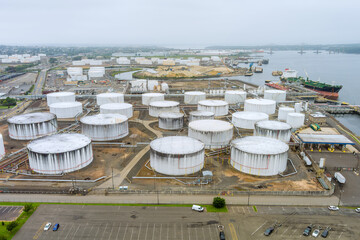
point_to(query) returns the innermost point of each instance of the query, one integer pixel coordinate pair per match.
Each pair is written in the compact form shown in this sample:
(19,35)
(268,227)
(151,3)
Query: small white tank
(157,107)
(218,107)
(147,98)
(276,95)
(298,107)
(235,96)
(194,97)
(171,120)
(260,105)
(283,112)
(200,115)
(296,120)
(104,98)
(2,147)
(125,109)
(66,109)
(247,120)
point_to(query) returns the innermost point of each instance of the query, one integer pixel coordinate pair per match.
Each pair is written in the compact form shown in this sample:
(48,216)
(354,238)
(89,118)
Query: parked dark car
(222,235)
(325,233)
(269,231)
(56,227)
(307,231)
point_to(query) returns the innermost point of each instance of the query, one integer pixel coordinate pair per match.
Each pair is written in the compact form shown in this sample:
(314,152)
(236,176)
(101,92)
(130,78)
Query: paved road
(40,82)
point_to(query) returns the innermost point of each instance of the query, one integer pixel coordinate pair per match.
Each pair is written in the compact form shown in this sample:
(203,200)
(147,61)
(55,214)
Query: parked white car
(357,210)
(47,226)
(197,208)
(316,233)
(333,208)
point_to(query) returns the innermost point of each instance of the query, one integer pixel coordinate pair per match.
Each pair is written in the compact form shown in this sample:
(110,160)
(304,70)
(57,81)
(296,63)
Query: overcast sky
(191,23)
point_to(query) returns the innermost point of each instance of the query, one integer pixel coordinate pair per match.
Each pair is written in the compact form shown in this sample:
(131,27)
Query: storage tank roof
(215,103)
(164,104)
(202,113)
(177,145)
(65,104)
(59,143)
(260,145)
(296,114)
(32,118)
(273,125)
(260,101)
(195,93)
(60,94)
(115,106)
(110,95)
(153,94)
(103,119)
(287,108)
(171,115)
(250,115)
(210,125)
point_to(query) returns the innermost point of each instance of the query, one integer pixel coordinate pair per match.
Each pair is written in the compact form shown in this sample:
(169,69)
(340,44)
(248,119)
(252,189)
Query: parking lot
(137,223)
(10,213)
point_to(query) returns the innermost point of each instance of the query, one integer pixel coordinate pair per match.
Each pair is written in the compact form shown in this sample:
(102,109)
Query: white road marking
(238,208)
(76,231)
(132,231)
(125,230)
(258,228)
(248,209)
(139,231)
(160,230)
(153,232)
(182,233)
(233,210)
(167,234)
(147,227)
(117,235)
(285,230)
(340,235)
(69,231)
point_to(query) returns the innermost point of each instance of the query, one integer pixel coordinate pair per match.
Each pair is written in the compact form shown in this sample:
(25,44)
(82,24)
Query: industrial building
(32,125)
(66,109)
(213,133)
(247,120)
(57,97)
(176,155)
(171,120)
(218,107)
(104,98)
(273,129)
(125,109)
(194,97)
(157,107)
(60,153)
(260,156)
(200,115)
(260,105)
(105,127)
(96,72)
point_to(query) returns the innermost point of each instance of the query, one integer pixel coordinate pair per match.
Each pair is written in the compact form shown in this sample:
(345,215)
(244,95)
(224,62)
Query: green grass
(211,208)
(255,209)
(5,107)
(24,216)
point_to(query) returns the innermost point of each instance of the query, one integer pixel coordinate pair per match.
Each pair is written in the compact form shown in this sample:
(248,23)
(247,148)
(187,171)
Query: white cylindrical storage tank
(296,120)
(247,120)
(60,97)
(194,97)
(200,115)
(66,109)
(260,105)
(276,95)
(105,127)
(2,147)
(213,133)
(125,109)
(176,155)
(218,107)
(298,107)
(32,125)
(104,98)
(155,108)
(259,156)
(171,120)
(235,96)
(147,98)
(60,153)
(273,129)
(284,111)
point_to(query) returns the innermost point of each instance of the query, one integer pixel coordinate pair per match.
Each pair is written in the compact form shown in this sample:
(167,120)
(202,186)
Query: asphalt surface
(151,222)
(10,213)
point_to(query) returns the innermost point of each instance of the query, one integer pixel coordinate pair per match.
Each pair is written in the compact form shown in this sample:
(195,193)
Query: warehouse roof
(324,139)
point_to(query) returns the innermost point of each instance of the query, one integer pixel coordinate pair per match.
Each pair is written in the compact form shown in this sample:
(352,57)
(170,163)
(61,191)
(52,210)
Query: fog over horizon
(178,24)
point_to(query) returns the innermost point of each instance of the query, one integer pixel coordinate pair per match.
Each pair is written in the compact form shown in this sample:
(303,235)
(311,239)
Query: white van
(197,208)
